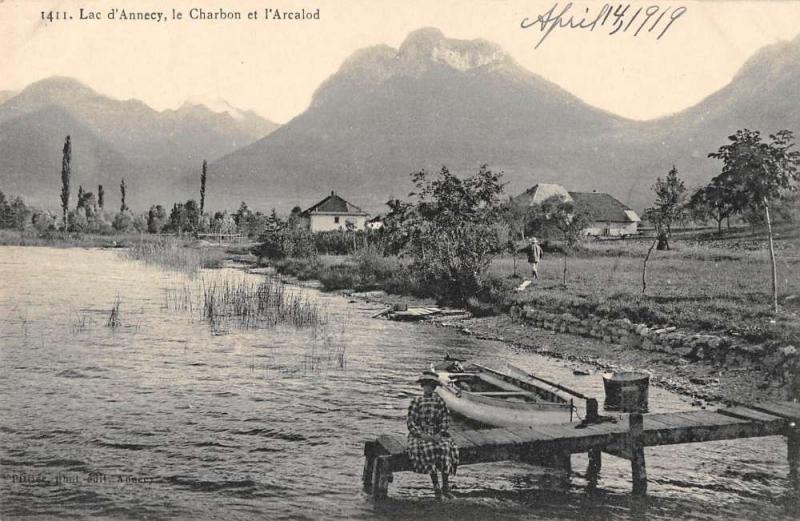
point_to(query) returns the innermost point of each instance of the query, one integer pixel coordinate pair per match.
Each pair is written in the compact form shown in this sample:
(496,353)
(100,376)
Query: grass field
(716,286)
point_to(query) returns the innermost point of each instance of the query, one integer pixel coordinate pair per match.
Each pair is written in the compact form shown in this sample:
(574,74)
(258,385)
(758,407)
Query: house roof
(603,207)
(539,193)
(333,204)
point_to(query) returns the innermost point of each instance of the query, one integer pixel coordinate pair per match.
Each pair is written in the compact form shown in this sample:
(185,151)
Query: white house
(334,213)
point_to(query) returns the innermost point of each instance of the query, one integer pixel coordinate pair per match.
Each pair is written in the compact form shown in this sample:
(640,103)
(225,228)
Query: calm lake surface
(165,417)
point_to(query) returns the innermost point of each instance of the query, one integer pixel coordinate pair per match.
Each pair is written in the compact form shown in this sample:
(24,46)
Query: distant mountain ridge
(437,101)
(156,146)
(433,101)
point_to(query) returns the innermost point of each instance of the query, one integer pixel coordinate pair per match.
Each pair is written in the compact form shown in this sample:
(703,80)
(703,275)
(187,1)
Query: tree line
(449,227)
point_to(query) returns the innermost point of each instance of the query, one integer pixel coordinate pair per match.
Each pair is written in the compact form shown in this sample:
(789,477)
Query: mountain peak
(423,50)
(429,45)
(60,86)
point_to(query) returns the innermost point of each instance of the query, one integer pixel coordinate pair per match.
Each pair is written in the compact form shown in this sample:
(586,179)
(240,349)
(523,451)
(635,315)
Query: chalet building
(334,213)
(539,193)
(607,216)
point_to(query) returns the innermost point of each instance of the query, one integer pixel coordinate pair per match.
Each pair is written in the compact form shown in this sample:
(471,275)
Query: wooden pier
(552,445)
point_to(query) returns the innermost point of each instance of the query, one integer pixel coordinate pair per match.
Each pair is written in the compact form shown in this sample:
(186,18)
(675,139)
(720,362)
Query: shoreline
(706,384)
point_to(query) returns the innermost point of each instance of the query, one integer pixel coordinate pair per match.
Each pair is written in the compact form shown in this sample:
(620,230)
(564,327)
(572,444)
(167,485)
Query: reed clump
(258,304)
(115,318)
(246,303)
(174,255)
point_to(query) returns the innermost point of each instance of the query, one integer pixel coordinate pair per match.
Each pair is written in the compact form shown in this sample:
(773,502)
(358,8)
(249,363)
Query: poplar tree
(100,196)
(66,158)
(203,187)
(122,187)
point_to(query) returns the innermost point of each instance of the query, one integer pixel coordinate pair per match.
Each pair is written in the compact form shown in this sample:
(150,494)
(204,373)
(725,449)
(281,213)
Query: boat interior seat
(506,393)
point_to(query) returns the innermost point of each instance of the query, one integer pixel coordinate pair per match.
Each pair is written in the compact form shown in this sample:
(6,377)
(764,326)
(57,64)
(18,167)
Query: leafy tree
(669,208)
(515,216)
(5,212)
(192,215)
(78,222)
(19,214)
(295,220)
(452,235)
(178,220)
(242,213)
(570,221)
(762,174)
(43,222)
(122,191)
(87,201)
(140,222)
(66,158)
(156,219)
(397,226)
(203,186)
(101,194)
(123,221)
(223,223)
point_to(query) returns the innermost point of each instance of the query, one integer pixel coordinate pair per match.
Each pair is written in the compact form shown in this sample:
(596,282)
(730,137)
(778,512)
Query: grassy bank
(709,285)
(58,239)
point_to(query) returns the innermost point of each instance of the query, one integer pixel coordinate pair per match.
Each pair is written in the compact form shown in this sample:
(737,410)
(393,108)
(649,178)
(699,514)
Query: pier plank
(671,420)
(462,441)
(477,438)
(392,444)
(552,444)
(709,418)
(516,439)
(657,422)
(745,413)
(785,409)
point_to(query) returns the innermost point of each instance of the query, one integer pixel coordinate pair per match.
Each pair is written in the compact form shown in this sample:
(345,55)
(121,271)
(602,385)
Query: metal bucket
(626,391)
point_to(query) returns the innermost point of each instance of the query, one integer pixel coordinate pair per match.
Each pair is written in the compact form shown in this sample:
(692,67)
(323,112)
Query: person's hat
(428,377)
(533,239)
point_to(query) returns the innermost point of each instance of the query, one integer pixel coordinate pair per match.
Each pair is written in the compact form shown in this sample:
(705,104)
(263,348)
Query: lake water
(164,417)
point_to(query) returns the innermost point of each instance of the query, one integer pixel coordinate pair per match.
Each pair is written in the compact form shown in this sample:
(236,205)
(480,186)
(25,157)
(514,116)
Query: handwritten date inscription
(616,18)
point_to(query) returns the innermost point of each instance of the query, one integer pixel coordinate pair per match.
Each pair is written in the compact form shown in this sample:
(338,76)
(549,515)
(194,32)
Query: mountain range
(111,140)
(386,113)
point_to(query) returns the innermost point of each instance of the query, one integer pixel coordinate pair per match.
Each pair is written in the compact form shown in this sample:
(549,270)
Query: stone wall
(781,362)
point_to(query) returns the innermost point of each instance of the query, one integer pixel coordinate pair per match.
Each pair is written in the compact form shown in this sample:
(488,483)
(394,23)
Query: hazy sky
(273,67)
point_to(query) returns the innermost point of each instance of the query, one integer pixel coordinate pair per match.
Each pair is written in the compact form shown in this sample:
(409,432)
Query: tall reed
(246,303)
(172,254)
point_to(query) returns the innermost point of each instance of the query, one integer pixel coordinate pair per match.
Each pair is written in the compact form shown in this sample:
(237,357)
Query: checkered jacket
(429,415)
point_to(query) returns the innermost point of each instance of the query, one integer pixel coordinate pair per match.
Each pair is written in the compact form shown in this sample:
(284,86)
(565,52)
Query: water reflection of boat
(500,399)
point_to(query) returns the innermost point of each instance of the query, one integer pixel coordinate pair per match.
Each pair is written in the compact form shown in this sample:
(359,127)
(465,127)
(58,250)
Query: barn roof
(603,207)
(539,193)
(335,205)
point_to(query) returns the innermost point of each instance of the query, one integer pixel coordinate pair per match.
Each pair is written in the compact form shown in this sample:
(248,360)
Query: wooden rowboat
(500,399)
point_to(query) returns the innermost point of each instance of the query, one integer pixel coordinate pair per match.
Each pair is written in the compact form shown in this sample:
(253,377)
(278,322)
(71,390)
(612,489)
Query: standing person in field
(430,447)
(534,252)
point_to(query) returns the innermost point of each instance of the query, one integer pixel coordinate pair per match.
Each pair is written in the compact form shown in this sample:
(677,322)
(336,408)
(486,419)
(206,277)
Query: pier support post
(369,471)
(592,413)
(636,444)
(382,477)
(593,470)
(793,449)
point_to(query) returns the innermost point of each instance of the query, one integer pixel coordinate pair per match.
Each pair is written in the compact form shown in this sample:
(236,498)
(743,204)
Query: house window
(336,220)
